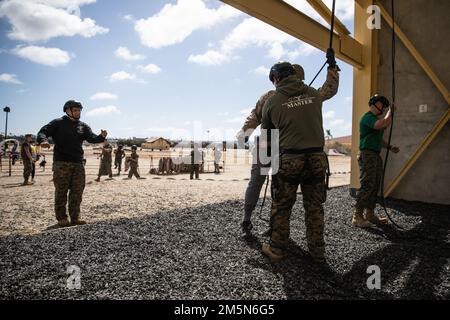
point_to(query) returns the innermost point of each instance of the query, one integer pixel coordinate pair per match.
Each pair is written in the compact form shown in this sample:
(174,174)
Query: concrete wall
(426,24)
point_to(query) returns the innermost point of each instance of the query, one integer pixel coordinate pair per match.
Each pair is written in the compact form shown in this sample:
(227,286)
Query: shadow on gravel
(415,264)
(197,253)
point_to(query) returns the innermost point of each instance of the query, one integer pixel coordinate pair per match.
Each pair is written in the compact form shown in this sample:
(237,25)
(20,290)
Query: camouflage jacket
(328,90)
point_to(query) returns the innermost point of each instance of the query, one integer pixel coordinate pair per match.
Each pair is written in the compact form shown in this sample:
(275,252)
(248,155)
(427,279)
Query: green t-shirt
(370,138)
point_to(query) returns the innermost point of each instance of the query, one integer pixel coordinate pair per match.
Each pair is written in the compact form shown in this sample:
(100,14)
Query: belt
(301,151)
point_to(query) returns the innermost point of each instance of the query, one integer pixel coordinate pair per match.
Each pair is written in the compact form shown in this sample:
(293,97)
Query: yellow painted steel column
(364,80)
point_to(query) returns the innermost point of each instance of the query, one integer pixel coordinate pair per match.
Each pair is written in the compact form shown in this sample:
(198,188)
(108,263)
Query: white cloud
(328,114)
(104,96)
(223,114)
(103,111)
(211,57)
(261,70)
(175,22)
(47,56)
(121,75)
(252,32)
(303,50)
(129,17)
(150,68)
(124,53)
(41,20)
(9,78)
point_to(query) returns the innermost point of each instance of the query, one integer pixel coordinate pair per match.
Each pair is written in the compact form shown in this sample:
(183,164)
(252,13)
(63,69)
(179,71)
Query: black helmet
(379,98)
(133,147)
(281,70)
(72,104)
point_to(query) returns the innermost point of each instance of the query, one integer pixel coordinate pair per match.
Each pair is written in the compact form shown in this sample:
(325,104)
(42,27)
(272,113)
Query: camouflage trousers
(105,168)
(27,168)
(133,171)
(308,171)
(68,177)
(371,170)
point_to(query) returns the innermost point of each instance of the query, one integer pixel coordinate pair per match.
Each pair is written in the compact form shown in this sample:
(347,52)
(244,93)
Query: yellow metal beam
(288,19)
(420,60)
(325,13)
(425,143)
(364,80)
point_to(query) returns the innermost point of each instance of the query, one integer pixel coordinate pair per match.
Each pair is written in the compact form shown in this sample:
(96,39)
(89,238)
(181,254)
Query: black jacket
(68,137)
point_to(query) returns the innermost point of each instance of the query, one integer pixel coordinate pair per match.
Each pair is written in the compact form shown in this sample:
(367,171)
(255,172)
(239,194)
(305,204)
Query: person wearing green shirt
(371,127)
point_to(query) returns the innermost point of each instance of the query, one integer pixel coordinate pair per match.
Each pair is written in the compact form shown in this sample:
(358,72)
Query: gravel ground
(190,248)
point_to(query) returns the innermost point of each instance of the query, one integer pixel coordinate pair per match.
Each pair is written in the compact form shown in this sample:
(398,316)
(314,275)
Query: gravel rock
(194,251)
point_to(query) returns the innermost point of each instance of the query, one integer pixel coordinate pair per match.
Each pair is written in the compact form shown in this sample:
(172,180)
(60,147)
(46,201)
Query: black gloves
(331,59)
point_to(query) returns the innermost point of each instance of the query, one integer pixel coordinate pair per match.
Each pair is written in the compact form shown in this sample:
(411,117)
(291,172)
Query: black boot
(246,228)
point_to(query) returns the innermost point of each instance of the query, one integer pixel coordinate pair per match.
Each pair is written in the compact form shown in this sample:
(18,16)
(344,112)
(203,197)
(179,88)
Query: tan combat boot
(358,219)
(371,217)
(63,223)
(275,255)
(78,222)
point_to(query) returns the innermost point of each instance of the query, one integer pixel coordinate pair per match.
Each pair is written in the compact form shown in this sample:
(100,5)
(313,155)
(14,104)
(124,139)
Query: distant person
(371,127)
(217,157)
(196,157)
(105,161)
(35,157)
(133,163)
(27,159)
(119,154)
(68,134)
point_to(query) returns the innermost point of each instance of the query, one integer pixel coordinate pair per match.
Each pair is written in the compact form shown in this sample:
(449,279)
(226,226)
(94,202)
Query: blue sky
(150,68)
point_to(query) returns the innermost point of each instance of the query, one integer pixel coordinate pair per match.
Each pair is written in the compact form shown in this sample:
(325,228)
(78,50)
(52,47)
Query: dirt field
(28,210)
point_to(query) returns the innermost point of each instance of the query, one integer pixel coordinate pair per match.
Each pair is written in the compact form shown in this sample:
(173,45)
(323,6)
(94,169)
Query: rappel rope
(392,123)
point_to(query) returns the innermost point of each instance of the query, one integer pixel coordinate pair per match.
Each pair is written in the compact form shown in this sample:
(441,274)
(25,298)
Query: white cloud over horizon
(121,75)
(125,54)
(103,96)
(52,57)
(252,32)
(41,20)
(9,78)
(175,22)
(261,70)
(150,68)
(103,111)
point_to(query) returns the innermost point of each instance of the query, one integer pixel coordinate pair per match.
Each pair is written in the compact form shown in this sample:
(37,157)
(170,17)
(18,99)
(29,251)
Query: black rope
(264,200)
(383,203)
(331,40)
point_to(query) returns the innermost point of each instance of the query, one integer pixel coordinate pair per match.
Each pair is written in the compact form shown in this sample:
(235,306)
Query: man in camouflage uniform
(256,181)
(105,161)
(27,159)
(134,164)
(119,155)
(371,127)
(68,134)
(296,111)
